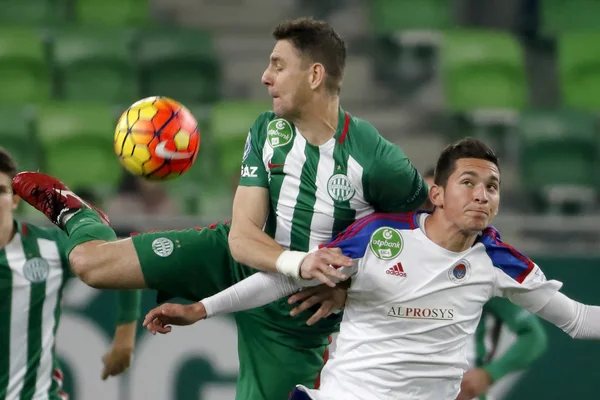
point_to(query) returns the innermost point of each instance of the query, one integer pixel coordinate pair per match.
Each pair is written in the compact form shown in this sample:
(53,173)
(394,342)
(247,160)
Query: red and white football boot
(50,196)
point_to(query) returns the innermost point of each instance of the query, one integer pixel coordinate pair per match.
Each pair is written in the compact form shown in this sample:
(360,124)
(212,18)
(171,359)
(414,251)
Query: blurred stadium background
(524,75)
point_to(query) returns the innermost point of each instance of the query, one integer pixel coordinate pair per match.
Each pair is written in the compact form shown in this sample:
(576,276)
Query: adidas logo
(396,270)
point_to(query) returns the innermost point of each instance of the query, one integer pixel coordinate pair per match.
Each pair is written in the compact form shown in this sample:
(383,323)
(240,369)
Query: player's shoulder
(505,256)
(377,226)
(363,132)
(268,123)
(29,230)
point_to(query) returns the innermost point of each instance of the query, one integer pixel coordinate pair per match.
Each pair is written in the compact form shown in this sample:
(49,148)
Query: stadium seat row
(557,16)
(110,65)
(556,151)
(486,68)
(86,12)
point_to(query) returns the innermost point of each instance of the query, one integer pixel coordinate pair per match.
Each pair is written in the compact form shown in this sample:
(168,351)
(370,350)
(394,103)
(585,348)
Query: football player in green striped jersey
(309,169)
(34,269)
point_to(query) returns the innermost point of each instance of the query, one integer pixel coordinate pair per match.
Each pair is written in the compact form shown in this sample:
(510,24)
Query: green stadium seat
(24,73)
(559,16)
(482,69)
(579,70)
(388,16)
(181,64)
(18,136)
(33,12)
(78,141)
(231,122)
(94,65)
(559,155)
(116,13)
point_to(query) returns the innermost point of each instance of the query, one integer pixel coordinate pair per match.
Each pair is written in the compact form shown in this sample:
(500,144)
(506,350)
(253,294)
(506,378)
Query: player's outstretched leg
(95,255)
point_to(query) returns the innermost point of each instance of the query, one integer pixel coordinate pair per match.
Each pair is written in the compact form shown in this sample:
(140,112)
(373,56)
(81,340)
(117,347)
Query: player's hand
(475,383)
(331,299)
(161,318)
(118,359)
(317,265)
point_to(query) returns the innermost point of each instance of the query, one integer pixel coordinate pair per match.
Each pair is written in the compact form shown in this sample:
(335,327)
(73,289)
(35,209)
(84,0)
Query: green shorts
(275,351)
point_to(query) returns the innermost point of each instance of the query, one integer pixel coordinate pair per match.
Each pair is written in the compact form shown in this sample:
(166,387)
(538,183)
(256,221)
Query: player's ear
(436,195)
(316,76)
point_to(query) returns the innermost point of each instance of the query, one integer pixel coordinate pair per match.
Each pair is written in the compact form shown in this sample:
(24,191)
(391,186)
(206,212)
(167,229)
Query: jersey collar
(20,227)
(343,125)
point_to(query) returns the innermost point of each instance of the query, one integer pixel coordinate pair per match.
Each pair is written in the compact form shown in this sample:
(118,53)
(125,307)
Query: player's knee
(82,265)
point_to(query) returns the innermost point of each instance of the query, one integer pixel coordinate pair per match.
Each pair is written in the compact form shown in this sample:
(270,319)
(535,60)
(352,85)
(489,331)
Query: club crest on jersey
(386,243)
(279,133)
(36,270)
(340,188)
(162,247)
(460,272)
(247,148)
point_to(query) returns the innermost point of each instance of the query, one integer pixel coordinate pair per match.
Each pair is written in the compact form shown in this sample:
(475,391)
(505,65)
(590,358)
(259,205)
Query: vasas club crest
(460,272)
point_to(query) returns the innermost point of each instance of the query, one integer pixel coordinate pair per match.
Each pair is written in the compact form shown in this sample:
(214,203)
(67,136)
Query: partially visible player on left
(34,268)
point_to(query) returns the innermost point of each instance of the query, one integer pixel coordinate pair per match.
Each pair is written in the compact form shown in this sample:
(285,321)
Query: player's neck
(7,232)
(318,122)
(447,235)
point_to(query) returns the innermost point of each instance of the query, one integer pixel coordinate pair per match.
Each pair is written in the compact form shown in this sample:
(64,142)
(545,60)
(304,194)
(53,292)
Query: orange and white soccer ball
(157,138)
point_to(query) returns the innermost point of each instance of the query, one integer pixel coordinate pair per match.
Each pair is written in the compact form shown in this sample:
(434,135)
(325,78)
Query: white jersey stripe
(322,223)
(19,309)
(290,188)
(50,252)
(357,202)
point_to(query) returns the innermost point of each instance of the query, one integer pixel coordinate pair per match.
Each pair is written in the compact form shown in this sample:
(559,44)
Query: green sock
(84,226)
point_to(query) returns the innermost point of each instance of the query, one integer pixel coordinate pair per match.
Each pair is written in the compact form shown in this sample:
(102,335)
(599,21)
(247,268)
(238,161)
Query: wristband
(289,263)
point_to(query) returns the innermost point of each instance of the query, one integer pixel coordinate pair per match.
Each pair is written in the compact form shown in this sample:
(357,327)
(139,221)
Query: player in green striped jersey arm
(488,367)
(33,271)
(309,169)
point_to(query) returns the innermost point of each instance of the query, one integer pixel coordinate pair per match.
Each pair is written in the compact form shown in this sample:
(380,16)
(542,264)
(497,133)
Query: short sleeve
(517,277)
(393,183)
(253,171)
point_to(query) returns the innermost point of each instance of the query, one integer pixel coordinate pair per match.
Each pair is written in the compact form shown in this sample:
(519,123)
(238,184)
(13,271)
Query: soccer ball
(157,138)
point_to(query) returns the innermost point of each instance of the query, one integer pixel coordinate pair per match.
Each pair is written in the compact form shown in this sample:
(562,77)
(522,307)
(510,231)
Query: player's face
(8,201)
(287,79)
(471,197)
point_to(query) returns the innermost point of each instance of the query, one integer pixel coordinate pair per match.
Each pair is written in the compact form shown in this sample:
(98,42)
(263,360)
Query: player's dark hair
(7,163)
(429,172)
(318,42)
(464,148)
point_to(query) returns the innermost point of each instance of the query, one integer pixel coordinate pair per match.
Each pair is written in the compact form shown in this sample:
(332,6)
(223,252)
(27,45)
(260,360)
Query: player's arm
(393,184)
(251,246)
(531,340)
(522,281)
(255,291)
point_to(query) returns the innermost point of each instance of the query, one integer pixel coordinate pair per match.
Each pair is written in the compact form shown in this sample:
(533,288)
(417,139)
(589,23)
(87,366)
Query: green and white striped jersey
(317,191)
(33,272)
